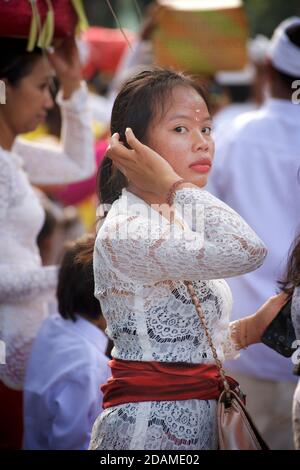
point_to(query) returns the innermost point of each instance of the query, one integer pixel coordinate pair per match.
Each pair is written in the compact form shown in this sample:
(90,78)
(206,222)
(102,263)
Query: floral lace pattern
(139,272)
(176,425)
(25,285)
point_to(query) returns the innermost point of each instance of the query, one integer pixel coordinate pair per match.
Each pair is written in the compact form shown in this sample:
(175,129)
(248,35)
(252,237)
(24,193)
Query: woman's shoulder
(123,211)
(5,157)
(7,167)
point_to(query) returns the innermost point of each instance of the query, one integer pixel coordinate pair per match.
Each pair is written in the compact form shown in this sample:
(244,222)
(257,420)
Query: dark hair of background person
(293,33)
(292,275)
(75,289)
(141,99)
(15,62)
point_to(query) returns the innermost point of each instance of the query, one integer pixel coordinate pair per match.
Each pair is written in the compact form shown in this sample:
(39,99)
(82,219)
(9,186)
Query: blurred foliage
(98,12)
(263,15)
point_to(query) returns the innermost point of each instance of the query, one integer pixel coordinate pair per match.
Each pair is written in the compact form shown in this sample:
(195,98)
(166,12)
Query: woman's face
(183,135)
(27,102)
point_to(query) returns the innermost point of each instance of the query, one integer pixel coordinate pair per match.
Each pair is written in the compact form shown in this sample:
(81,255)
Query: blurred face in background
(28,101)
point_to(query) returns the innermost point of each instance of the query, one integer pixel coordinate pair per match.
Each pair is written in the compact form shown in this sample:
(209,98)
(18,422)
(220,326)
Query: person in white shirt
(68,364)
(236,86)
(245,88)
(256,172)
(25,285)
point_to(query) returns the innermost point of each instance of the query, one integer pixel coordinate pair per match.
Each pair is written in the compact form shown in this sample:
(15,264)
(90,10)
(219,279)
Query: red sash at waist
(135,381)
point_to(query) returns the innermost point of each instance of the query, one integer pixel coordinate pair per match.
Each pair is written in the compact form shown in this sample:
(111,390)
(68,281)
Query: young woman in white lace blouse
(24,284)
(164,387)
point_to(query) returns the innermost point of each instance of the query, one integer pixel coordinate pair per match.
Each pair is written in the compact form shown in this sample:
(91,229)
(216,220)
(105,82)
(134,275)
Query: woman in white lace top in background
(25,285)
(161,230)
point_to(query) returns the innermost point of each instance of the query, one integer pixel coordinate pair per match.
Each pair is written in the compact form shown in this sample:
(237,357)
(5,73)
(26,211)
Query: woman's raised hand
(66,63)
(143,167)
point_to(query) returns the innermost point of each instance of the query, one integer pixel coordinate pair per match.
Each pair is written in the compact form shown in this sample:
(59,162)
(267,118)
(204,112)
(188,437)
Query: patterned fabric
(140,263)
(25,286)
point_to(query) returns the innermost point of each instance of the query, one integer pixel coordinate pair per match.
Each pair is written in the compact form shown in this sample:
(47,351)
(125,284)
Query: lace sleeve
(27,284)
(72,162)
(295,312)
(220,244)
(230,348)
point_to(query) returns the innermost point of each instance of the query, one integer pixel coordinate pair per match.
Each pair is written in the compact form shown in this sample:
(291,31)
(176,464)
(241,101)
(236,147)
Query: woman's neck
(7,137)
(149,198)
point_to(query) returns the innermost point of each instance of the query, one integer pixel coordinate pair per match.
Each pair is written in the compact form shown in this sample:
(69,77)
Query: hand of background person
(263,317)
(66,63)
(144,168)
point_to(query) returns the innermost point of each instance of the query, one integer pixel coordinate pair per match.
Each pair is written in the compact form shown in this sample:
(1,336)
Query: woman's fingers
(115,138)
(117,149)
(134,143)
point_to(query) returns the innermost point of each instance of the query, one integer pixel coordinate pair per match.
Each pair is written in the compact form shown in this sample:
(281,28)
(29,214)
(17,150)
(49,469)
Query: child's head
(75,290)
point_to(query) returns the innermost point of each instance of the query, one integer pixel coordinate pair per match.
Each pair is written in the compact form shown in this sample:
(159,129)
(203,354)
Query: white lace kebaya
(140,263)
(25,285)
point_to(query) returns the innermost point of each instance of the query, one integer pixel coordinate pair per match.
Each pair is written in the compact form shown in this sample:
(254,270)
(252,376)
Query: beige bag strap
(201,316)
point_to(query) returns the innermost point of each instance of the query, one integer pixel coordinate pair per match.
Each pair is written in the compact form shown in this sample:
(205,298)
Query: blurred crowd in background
(109,56)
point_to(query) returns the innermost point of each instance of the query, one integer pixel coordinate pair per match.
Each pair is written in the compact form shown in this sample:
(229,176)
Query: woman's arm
(149,250)
(18,285)
(213,242)
(231,247)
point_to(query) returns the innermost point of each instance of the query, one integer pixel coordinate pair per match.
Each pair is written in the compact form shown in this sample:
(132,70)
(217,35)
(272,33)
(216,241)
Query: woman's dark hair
(139,101)
(15,61)
(75,290)
(292,276)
